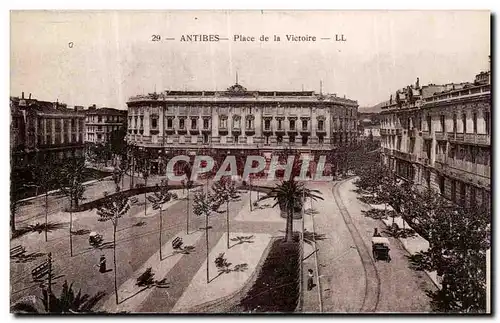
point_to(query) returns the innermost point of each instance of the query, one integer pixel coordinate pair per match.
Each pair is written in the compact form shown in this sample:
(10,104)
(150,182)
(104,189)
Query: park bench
(40,271)
(177,243)
(17,251)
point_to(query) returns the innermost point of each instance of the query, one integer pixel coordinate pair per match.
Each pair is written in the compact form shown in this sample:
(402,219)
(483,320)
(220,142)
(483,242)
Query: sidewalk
(131,296)
(312,302)
(401,288)
(412,244)
(228,284)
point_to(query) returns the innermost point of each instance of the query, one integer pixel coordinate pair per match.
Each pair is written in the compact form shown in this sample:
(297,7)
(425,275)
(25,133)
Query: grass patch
(277,286)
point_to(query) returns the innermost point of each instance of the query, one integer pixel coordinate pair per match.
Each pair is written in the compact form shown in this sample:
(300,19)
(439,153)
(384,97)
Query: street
(349,280)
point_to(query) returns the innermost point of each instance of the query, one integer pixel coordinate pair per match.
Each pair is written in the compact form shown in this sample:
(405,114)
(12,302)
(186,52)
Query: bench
(177,243)
(17,251)
(40,271)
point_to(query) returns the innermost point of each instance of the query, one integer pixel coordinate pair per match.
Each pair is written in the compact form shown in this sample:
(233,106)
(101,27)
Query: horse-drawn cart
(380,249)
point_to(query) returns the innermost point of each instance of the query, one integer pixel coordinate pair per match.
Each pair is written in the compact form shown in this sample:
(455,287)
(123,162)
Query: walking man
(310,279)
(102,264)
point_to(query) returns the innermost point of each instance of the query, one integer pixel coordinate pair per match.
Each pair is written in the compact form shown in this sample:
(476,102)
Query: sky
(112,56)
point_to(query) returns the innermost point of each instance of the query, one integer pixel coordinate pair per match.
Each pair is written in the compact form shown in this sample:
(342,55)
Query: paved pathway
(401,289)
(164,300)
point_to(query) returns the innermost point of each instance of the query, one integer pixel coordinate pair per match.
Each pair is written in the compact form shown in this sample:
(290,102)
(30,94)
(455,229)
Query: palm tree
(226,191)
(67,302)
(159,198)
(113,209)
(206,205)
(290,195)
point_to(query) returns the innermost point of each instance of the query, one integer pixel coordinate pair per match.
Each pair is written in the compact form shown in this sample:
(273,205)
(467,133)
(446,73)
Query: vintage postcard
(250,162)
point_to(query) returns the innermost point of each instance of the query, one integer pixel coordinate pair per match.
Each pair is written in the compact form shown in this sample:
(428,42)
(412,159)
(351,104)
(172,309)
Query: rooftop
(237,91)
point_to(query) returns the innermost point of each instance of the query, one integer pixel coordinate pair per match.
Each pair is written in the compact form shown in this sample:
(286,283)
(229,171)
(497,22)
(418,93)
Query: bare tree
(226,191)
(71,185)
(112,210)
(206,205)
(159,198)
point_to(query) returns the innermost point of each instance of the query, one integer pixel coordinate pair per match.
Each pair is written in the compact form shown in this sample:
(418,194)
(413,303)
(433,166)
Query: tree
(117,141)
(117,177)
(290,195)
(66,302)
(145,169)
(395,194)
(187,185)
(458,243)
(206,204)
(226,191)
(71,185)
(44,178)
(159,198)
(112,210)
(18,180)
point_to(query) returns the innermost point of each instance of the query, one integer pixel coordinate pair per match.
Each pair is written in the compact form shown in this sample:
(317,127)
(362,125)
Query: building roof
(237,91)
(105,111)
(43,107)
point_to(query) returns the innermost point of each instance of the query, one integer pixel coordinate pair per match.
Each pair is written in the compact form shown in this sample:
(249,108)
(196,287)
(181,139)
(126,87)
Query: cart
(95,239)
(380,249)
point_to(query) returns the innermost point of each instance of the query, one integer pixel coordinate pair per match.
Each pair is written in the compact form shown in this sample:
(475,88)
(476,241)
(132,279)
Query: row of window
(100,128)
(409,124)
(59,139)
(249,123)
(458,193)
(98,118)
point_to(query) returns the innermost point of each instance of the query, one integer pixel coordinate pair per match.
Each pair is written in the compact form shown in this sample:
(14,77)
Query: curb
(55,191)
(224,304)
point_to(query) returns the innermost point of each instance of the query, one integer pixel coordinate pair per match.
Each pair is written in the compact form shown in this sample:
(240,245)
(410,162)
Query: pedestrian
(310,278)
(376,233)
(102,264)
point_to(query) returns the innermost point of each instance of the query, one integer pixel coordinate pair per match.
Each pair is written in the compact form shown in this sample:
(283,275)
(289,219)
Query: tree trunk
(161,228)
(114,261)
(13,216)
(70,229)
(289,224)
(132,173)
(46,213)
(250,192)
(206,240)
(227,222)
(145,203)
(187,214)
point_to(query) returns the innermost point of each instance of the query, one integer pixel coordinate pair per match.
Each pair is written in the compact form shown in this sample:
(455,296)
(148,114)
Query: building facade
(238,121)
(41,129)
(100,123)
(440,137)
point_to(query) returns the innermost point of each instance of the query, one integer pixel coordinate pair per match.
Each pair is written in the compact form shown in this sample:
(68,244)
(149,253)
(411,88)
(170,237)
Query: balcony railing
(441,135)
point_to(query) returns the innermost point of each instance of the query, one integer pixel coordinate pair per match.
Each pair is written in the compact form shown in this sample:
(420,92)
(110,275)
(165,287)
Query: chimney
(22,95)
(30,97)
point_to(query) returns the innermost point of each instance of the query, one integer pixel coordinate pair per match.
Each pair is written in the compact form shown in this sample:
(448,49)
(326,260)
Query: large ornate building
(41,129)
(238,121)
(439,136)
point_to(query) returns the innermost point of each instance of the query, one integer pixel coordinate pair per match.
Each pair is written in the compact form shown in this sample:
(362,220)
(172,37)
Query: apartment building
(100,123)
(42,129)
(439,136)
